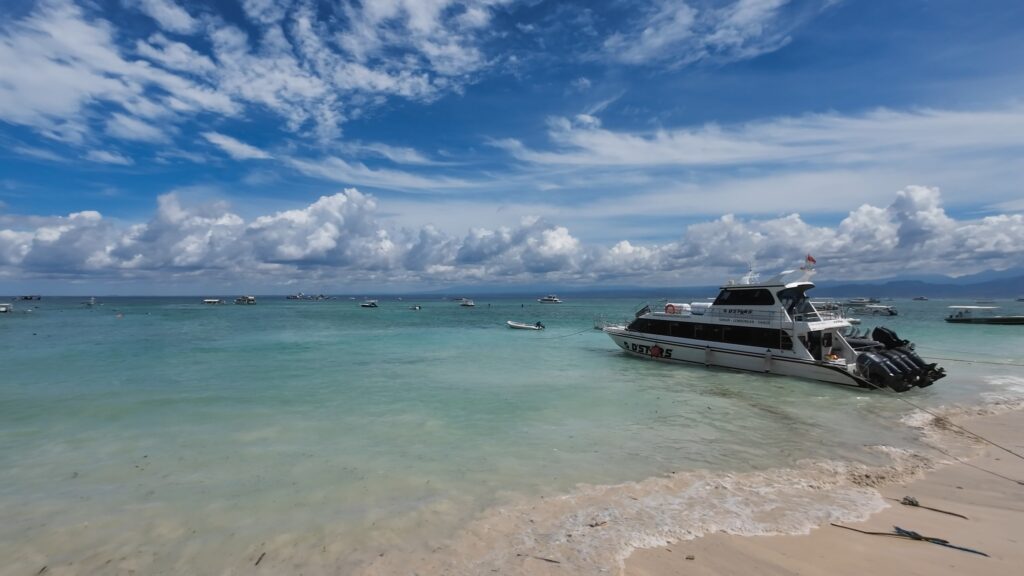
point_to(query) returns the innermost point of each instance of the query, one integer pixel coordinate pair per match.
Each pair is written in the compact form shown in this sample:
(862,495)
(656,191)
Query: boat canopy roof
(975,307)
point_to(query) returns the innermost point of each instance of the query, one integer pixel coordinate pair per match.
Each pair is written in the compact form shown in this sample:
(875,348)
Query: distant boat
(90,302)
(979,315)
(921,298)
(875,310)
(416,307)
(299,296)
(524,326)
(6,308)
(245,300)
(368,304)
(212,301)
(466,302)
(30,297)
(862,301)
(549,299)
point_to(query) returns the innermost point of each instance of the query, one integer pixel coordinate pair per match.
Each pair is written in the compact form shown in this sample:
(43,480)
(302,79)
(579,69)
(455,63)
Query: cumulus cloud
(341,237)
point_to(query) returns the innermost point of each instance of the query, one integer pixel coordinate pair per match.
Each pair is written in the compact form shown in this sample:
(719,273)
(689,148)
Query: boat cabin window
(743,335)
(749,297)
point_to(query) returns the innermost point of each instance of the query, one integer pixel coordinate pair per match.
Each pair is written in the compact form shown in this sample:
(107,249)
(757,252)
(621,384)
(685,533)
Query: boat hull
(521,326)
(744,358)
(1003,320)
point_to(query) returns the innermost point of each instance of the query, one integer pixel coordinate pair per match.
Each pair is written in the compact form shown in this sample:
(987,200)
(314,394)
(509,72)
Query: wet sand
(995,525)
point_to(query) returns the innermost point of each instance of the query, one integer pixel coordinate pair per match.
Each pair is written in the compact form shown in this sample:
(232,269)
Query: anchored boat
(980,315)
(773,327)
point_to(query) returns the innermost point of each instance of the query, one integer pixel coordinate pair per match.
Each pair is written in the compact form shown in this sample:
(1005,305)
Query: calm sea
(162,435)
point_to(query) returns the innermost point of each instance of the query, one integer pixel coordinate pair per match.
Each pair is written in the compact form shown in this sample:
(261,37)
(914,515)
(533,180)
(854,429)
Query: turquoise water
(163,435)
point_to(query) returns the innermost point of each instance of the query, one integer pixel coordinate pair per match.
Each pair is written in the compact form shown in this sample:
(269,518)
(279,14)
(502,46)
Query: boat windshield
(796,302)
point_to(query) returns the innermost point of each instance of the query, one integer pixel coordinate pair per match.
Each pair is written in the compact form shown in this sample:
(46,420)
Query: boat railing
(758,317)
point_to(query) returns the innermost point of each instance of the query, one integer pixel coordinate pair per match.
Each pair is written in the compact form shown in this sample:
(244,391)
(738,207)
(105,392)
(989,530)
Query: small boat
(212,301)
(979,315)
(875,310)
(368,304)
(467,303)
(299,296)
(30,297)
(549,299)
(90,302)
(524,326)
(245,300)
(921,298)
(862,301)
(416,307)
(6,308)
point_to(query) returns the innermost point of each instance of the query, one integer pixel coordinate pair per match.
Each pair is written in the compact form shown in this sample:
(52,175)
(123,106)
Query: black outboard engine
(897,366)
(887,338)
(881,372)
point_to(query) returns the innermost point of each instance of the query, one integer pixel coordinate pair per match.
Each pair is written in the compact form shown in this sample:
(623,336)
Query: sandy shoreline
(995,525)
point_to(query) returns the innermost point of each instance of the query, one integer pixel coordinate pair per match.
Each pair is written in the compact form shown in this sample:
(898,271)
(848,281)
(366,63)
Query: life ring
(670,309)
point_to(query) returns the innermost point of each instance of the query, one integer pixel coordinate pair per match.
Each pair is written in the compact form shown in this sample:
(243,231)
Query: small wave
(593,529)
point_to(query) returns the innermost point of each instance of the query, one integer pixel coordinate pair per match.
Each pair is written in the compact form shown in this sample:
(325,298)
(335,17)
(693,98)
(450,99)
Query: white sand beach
(995,525)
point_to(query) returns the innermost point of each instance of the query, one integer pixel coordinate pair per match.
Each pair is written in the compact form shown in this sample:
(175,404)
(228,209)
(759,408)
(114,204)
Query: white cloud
(130,128)
(820,138)
(65,68)
(235,148)
(341,236)
(107,157)
(677,33)
(169,15)
(353,173)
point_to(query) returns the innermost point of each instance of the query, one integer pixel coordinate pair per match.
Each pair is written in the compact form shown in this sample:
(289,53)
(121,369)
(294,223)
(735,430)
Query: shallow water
(163,435)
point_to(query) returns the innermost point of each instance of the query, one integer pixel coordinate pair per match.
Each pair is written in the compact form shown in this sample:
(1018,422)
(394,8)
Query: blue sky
(168,145)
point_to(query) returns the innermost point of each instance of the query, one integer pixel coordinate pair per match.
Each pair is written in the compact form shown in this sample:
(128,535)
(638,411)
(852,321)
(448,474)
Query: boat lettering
(655,351)
(736,311)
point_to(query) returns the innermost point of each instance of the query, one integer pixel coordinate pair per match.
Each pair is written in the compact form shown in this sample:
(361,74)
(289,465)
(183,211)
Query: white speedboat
(6,308)
(876,310)
(466,302)
(772,327)
(368,304)
(980,315)
(212,301)
(549,299)
(524,326)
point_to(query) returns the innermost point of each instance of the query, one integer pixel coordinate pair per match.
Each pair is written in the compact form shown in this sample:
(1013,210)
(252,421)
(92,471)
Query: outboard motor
(880,371)
(888,338)
(900,355)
